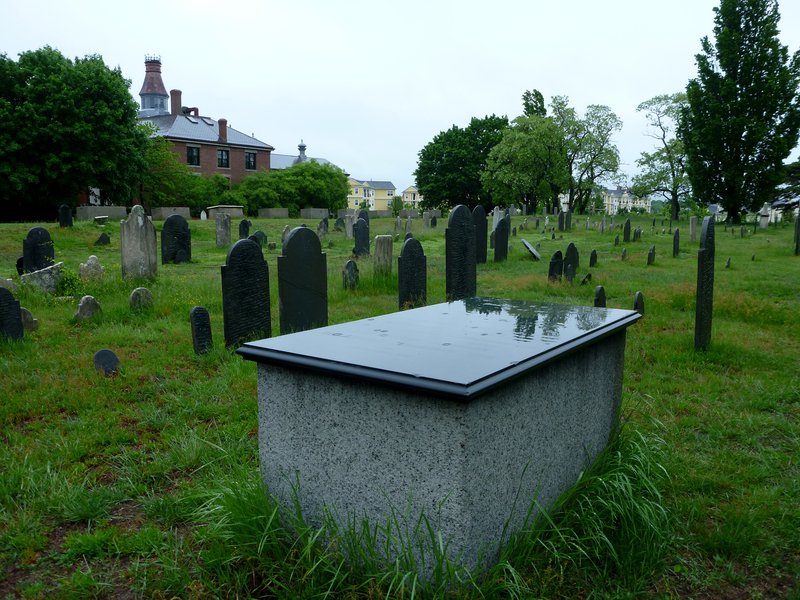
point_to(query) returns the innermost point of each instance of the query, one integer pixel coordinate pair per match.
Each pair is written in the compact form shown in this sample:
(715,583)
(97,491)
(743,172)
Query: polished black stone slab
(456,350)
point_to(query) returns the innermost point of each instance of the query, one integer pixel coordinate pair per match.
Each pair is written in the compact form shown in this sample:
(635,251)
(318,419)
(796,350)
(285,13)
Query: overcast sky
(367,84)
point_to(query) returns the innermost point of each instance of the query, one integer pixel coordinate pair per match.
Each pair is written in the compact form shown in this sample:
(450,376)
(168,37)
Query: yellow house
(412,196)
(614,200)
(374,195)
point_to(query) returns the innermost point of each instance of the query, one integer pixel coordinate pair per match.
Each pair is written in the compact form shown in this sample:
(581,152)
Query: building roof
(378,185)
(201,129)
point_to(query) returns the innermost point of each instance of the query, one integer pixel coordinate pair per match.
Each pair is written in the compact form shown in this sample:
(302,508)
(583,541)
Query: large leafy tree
(449,169)
(743,113)
(664,169)
(65,126)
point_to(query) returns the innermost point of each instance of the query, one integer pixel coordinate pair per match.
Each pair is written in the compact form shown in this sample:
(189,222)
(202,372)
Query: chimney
(223,130)
(175,101)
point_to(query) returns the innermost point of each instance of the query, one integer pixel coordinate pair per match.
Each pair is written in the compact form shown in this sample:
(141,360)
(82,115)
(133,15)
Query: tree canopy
(65,126)
(743,113)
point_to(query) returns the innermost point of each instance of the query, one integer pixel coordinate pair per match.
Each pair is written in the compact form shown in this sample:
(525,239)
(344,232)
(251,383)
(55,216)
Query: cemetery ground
(146,484)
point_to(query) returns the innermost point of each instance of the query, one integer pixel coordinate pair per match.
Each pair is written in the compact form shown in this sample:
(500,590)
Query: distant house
(614,200)
(377,195)
(205,145)
(412,196)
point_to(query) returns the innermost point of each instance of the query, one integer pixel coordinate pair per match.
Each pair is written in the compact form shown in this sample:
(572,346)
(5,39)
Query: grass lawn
(146,484)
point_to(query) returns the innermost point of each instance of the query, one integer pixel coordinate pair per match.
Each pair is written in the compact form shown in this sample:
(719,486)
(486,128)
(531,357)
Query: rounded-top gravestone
(37,250)
(176,240)
(140,299)
(106,362)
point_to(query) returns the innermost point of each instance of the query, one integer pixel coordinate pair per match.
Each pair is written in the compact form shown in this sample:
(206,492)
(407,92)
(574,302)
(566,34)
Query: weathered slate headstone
(742,231)
(176,240)
(244,229)
(626,232)
(705,286)
(339,225)
(141,299)
(103,240)
(616,240)
(260,238)
(322,227)
(797,235)
(481,231)
(223,229)
(245,293)
(202,339)
(491,240)
(501,241)
(571,257)
(624,253)
(461,275)
(409,225)
(284,233)
(556,268)
(570,272)
(88,307)
(303,282)
(537,222)
(64,216)
(10,316)
(37,250)
(363,214)
(728,263)
(593,259)
(651,255)
(350,275)
(409,235)
(28,322)
(382,259)
(8,284)
(412,275)
(514,232)
(361,237)
(398,224)
(638,303)
(536,256)
(600,297)
(106,362)
(45,280)
(434,221)
(561,221)
(692,229)
(568,221)
(138,245)
(91,269)
(676,242)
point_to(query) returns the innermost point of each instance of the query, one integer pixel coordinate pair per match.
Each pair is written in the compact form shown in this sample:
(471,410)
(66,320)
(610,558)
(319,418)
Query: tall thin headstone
(568,221)
(361,237)
(409,225)
(692,229)
(561,221)
(797,235)
(705,286)
(64,216)
(571,257)
(412,275)
(481,233)
(245,293)
(651,255)
(593,259)
(626,232)
(10,316)
(37,250)
(676,241)
(501,241)
(382,259)
(138,245)
(461,275)
(223,228)
(176,240)
(303,282)
(201,330)
(638,303)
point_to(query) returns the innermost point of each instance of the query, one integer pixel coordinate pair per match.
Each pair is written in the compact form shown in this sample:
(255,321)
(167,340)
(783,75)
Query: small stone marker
(461,275)
(361,237)
(64,216)
(705,286)
(223,229)
(638,303)
(106,362)
(651,255)
(203,215)
(556,266)
(382,260)
(571,257)
(600,297)
(624,253)
(140,299)
(138,245)
(728,263)
(350,275)
(626,232)
(339,224)
(742,231)
(536,256)
(10,316)
(303,282)
(501,241)
(481,232)
(322,227)
(103,240)
(514,232)
(570,272)
(37,250)
(201,330)
(752,258)
(260,237)
(676,243)
(88,308)
(91,269)
(176,240)
(245,293)
(244,229)
(593,259)
(412,275)
(28,322)
(272,246)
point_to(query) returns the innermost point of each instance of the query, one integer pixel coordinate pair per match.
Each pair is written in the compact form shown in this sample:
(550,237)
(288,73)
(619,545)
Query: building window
(250,161)
(390,193)
(223,159)
(193,156)
(356,201)
(356,192)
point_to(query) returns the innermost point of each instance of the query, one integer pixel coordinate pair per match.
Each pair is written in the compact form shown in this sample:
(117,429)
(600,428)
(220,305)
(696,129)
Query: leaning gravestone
(638,303)
(651,255)
(106,362)
(412,275)
(626,232)
(137,237)
(676,242)
(461,275)
(382,259)
(64,216)
(103,240)
(10,316)
(303,282)
(201,330)
(593,259)
(481,232)
(556,266)
(176,240)
(45,280)
(600,297)
(223,229)
(245,293)
(571,257)
(88,307)
(728,263)
(705,286)
(361,237)
(244,229)
(37,250)
(501,241)
(350,275)
(536,256)
(140,299)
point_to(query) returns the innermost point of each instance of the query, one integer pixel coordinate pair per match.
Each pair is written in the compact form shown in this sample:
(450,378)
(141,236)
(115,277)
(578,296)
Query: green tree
(743,113)
(789,190)
(449,168)
(664,170)
(65,126)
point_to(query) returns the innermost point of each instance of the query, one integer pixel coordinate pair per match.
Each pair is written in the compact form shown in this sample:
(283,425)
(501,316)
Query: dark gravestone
(37,250)
(600,297)
(460,268)
(103,240)
(433,222)
(361,237)
(742,231)
(409,236)
(176,240)
(570,272)
(10,316)
(537,223)
(64,216)
(271,245)
(654,223)
(532,250)
(626,232)
(412,275)
(350,275)
(624,253)
(244,229)
(19,265)
(797,235)
(752,258)
(568,221)
(302,282)
(616,240)
(705,286)
(507,219)
(201,330)
(638,303)
(561,221)
(106,362)
(571,257)
(363,214)
(556,266)
(491,240)
(651,255)
(728,263)
(501,241)
(586,279)
(245,293)
(676,243)
(593,259)
(514,232)
(339,225)
(481,232)
(260,237)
